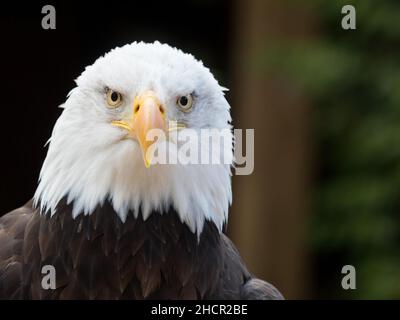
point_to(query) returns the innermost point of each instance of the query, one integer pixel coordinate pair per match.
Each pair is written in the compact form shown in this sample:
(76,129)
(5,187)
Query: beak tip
(147,163)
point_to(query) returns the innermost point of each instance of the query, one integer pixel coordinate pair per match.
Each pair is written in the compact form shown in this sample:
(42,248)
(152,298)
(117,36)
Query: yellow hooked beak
(148,114)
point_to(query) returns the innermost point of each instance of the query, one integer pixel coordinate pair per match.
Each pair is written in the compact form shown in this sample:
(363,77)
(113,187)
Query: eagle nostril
(137,108)
(161,110)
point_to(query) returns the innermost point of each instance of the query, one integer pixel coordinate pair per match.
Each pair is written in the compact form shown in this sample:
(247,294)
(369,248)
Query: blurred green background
(351,79)
(347,83)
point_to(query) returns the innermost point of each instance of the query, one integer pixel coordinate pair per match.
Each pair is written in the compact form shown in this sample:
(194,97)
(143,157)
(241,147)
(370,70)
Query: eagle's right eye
(114,98)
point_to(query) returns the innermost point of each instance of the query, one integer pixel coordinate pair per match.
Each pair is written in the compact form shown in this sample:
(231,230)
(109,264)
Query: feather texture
(99,257)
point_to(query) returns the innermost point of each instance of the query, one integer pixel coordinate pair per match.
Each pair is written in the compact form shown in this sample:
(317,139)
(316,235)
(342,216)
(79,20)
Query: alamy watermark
(349,20)
(349,280)
(208,146)
(48,277)
(49,18)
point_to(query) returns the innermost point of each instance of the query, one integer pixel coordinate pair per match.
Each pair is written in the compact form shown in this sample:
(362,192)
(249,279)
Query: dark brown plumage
(99,257)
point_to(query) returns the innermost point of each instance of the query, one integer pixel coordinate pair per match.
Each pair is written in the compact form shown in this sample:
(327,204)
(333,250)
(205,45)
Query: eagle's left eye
(114,98)
(185,102)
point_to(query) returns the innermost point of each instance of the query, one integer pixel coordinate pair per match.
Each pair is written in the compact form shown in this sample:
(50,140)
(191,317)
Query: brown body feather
(99,257)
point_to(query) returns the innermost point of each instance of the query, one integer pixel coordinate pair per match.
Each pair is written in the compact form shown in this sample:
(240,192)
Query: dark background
(324,103)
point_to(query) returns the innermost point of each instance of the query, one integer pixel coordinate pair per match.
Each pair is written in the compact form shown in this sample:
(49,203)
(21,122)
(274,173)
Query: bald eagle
(112,224)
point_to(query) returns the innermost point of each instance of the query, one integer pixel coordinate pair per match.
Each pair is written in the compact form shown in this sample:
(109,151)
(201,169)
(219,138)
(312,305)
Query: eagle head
(99,148)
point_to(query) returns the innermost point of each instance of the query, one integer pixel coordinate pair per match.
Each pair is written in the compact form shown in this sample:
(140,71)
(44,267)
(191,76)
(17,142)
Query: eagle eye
(114,98)
(185,102)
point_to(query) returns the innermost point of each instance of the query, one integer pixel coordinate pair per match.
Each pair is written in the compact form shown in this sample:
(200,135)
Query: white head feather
(88,162)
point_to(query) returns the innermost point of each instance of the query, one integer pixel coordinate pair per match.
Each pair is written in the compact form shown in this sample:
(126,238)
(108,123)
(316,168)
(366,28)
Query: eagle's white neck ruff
(116,173)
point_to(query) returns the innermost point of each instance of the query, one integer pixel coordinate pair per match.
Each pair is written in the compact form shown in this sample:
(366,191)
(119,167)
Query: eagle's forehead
(143,65)
(155,53)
